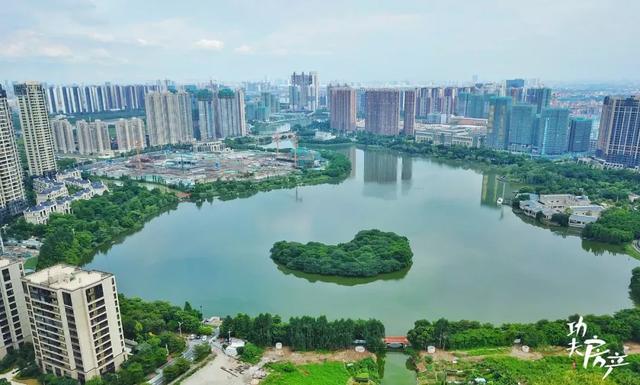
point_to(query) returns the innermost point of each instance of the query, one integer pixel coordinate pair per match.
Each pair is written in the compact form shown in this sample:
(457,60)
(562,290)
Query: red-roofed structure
(396,342)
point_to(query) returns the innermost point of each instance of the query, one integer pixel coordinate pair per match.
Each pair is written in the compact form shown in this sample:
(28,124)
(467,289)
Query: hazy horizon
(573,41)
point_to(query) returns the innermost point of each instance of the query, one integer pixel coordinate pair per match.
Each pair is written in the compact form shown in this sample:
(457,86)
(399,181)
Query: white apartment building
(36,129)
(14,324)
(130,134)
(63,140)
(169,119)
(93,137)
(75,321)
(230,117)
(12,194)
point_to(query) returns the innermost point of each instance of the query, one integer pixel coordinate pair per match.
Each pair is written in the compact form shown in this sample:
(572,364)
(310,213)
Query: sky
(419,41)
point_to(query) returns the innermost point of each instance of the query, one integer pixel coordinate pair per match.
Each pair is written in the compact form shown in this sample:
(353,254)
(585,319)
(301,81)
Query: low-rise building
(448,135)
(54,191)
(61,204)
(579,208)
(210,146)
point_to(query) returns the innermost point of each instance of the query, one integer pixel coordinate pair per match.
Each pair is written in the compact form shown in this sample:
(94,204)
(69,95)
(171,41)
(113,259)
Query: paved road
(188,354)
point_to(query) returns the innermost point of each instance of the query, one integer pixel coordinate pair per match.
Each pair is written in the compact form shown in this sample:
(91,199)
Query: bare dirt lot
(300,358)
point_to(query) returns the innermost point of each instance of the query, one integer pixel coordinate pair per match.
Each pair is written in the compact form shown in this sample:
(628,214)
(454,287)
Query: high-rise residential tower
(540,97)
(36,128)
(409,126)
(130,134)
(230,113)
(93,137)
(75,320)
(14,321)
(206,115)
(521,126)
(169,119)
(498,122)
(63,140)
(342,108)
(580,134)
(619,132)
(304,92)
(12,193)
(383,111)
(553,131)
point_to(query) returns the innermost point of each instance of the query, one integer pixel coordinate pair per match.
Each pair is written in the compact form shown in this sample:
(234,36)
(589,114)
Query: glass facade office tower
(498,122)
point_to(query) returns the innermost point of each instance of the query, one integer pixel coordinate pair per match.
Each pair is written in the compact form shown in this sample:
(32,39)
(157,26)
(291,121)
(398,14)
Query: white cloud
(244,49)
(26,43)
(209,44)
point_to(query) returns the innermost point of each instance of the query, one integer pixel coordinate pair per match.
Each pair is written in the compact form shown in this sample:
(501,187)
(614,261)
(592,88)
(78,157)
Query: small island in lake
(370,253)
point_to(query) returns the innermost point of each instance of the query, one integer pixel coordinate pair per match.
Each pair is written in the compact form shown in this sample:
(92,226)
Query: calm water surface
(396,371)
(473,260)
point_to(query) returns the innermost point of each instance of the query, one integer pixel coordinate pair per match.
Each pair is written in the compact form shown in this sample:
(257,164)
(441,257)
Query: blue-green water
(396,371)
(473,260)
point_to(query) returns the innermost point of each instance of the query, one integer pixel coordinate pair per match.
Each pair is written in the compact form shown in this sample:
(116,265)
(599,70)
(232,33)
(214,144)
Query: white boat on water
(499,201)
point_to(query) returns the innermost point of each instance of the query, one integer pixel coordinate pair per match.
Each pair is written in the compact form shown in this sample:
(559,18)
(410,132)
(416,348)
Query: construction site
(186,168)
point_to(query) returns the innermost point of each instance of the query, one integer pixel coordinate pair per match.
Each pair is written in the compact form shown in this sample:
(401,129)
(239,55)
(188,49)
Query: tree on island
(370,253)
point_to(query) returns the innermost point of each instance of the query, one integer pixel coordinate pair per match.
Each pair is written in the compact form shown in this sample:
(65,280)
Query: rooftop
(7,261)
(66,277)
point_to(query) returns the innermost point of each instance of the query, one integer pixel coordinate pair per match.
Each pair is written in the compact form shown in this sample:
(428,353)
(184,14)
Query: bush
(173,371)
(250,353)
(201,351)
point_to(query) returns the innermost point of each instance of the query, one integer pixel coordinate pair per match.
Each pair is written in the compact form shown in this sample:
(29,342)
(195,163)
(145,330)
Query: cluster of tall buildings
(261,109)
(304,92)
(71,315)
(221,113)
(76,99)
(93,138)
(534,126)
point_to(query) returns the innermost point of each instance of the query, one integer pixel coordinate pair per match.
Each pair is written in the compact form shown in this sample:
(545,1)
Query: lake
(472,259)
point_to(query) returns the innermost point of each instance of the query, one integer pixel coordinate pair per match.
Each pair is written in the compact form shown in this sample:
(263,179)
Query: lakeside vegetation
(304,333)
(618,225)
(369,253)
(554,368)
(99,222)
(75,238)
(634,286)
(326,373)
(623,326)
(337,169)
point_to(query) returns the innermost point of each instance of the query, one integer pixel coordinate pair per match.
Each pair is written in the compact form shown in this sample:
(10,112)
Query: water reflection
(407,171)
(345,281)
(380,175)
(493,188)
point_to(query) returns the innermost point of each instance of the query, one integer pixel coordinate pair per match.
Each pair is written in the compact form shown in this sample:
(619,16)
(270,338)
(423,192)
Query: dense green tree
(370,253)
(304,333)
(634,286)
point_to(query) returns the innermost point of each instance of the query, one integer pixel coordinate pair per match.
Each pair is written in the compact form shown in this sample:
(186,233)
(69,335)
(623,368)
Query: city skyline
(94,41)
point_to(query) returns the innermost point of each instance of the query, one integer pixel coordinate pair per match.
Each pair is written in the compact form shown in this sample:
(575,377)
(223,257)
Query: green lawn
(328,373)
(485,351)
(31,263)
